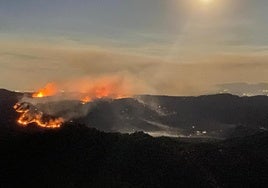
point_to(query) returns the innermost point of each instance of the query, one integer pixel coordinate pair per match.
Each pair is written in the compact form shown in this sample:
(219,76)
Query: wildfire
(29,114)
(49,90)
(39,95)
(85,99)
(85,91)
(104,88)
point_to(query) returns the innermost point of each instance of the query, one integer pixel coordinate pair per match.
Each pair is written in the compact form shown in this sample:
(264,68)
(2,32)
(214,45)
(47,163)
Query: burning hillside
(49,90)
(30,114)
(37,109)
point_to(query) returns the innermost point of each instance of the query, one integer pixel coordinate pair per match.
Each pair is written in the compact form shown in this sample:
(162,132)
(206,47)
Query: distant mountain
(213,115)
(244,89)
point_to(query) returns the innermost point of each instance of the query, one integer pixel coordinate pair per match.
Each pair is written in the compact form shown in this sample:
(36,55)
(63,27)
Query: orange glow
(104,88)
(33,116)
(39,95)
(49,90)
(85,99)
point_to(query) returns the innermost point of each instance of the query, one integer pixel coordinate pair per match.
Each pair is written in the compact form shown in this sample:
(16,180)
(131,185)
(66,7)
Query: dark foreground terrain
(77,156)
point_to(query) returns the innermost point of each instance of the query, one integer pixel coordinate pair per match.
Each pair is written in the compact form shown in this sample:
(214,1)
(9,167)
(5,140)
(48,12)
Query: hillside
(76,156)
(206,116)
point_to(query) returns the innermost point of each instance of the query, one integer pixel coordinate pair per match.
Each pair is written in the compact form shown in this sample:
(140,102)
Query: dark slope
(7,114)
(76,156)
(218,115)
(223,108)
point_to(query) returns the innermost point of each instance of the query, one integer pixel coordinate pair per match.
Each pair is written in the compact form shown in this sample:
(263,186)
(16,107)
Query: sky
(171,47)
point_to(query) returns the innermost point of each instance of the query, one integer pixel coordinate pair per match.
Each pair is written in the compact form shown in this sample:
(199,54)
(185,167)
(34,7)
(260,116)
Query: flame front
(29,114)
(49,90)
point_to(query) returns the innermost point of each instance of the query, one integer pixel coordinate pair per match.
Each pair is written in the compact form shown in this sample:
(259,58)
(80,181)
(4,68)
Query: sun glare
(206,1)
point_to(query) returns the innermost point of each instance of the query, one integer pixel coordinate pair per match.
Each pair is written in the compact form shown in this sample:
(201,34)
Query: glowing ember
(49,90)
(40,95)
(85,100)
(29,114)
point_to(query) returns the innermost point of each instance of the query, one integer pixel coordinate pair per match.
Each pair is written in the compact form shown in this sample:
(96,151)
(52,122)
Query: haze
(171,47)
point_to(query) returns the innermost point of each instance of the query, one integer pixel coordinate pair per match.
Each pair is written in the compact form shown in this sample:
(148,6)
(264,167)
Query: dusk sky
(173,47)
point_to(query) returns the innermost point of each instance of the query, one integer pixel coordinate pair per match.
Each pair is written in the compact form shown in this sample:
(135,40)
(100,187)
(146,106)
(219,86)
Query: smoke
(72,99)
(93,87)
(188,74)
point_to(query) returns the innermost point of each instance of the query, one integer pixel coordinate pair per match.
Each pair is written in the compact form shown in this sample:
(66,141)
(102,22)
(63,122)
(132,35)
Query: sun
(207,1)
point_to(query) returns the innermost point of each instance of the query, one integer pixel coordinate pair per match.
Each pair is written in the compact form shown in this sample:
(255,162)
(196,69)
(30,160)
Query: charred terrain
(223,143)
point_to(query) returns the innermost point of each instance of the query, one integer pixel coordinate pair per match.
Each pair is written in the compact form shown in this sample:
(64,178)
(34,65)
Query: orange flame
(103,88)
(49,90)
(34,116)
(85,99)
